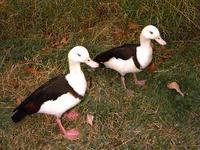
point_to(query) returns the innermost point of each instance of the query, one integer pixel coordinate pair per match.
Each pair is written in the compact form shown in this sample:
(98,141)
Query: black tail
(18,116)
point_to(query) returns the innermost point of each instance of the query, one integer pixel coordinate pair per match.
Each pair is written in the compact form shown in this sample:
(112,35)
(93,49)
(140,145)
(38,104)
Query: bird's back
(124,52)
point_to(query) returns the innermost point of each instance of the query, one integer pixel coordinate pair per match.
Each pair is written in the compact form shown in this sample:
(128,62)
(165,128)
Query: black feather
(18,116)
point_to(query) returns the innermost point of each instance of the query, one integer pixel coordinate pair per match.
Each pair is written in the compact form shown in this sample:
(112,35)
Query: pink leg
(71,134)
(123,82)
(62,129)
(138,82)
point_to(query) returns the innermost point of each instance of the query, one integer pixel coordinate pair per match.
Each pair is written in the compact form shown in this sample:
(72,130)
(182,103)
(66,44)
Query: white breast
(60,105)
(121,66)
(144,56)
(77,82)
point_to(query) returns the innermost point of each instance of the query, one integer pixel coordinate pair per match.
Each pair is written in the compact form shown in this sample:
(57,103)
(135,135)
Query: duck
(60,93)
(132,58)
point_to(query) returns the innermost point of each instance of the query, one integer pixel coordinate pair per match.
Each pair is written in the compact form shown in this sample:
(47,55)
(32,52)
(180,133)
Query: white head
(79,54)
(151,32)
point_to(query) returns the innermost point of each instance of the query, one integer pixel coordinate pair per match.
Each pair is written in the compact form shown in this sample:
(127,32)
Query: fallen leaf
(45,49)
(72,115)
(133,26)
(175,86)
(152,68)
(14,83)
(64,40)
(32,70)
(90,119)
(55,44)
(18,101)
(165,57)
(72,134)
(60,44)
(118,35)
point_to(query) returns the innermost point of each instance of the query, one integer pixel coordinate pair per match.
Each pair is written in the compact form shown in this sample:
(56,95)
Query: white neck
(74,67)
(144,42)
(144,52)
(76,78)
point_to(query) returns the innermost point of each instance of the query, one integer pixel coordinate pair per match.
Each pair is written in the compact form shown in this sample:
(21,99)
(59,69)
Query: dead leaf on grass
(59,46)
(118,34)
(14,83)
(55,44)
(18,101)
(175,86)
(165,57)
(90,119)
(64,40)
(152,68)
(32,70)
(45,49)
(133,26)
(61,43)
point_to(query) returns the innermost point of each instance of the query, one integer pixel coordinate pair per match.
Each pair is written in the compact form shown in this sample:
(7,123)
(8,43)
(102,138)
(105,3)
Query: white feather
(78,82)
(144,56)
(122,66)
(60,105)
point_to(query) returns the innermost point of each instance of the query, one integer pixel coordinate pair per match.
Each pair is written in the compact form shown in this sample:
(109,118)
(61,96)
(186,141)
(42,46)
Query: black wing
(124,52)
(51,90)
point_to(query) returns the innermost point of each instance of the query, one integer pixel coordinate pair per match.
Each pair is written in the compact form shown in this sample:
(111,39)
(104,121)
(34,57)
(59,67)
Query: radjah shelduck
(61,93)
(132,58)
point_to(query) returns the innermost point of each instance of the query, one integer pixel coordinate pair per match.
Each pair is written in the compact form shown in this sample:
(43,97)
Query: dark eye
(78,54)
(150,32)
(88,60)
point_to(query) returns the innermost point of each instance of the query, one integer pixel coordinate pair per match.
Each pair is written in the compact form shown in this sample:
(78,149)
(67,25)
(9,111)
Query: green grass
(152,118)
